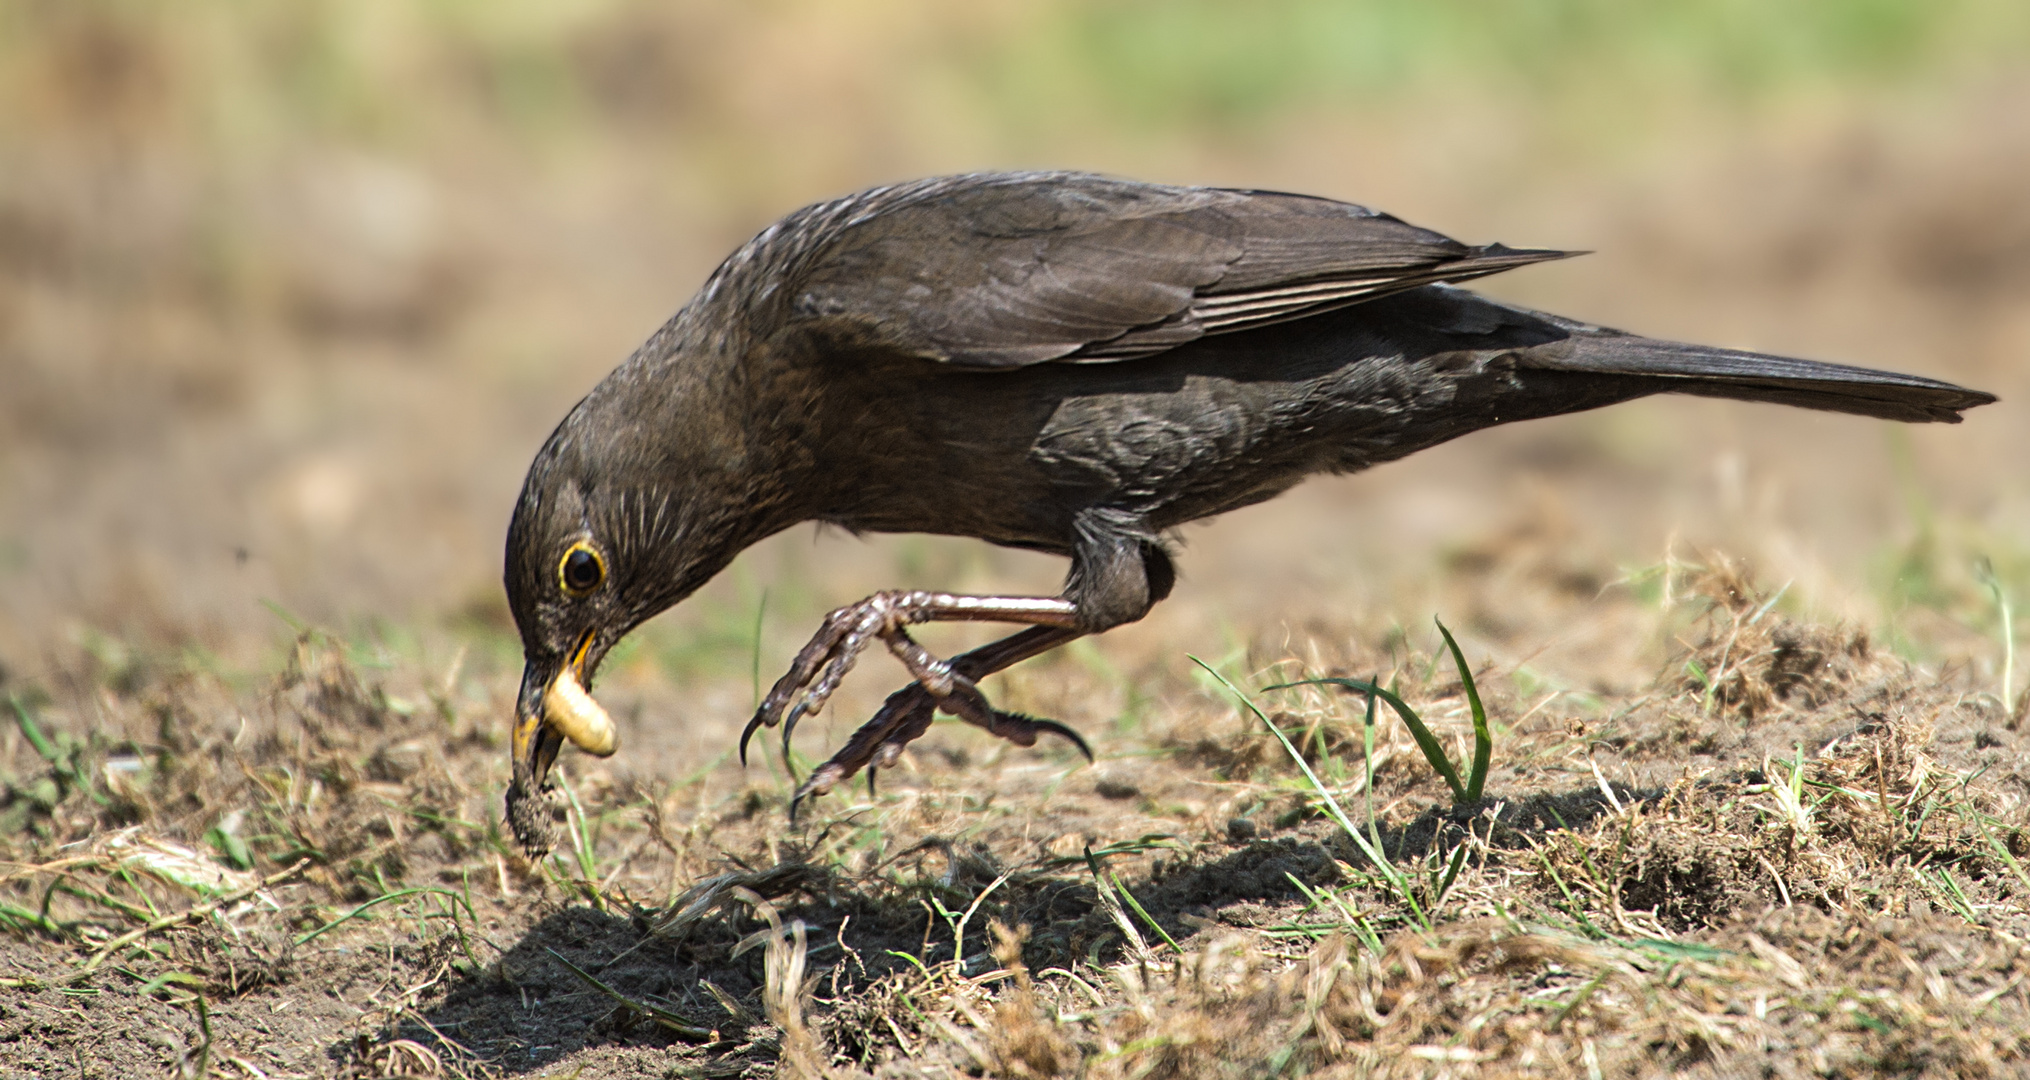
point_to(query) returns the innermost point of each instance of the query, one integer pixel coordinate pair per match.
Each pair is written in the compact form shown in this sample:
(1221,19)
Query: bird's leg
(1118,570)
(838,643)
(960,696)
(908,712)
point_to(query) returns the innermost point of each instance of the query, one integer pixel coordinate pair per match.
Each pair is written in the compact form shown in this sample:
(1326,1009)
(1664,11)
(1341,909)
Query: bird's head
(599,543)
(641,495)
(574,579)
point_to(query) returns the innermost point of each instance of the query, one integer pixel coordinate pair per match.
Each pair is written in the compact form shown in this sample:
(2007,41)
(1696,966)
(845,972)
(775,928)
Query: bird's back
(988,355)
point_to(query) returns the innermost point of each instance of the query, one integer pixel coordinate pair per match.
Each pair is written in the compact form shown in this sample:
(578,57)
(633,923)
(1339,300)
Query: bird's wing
(999,271)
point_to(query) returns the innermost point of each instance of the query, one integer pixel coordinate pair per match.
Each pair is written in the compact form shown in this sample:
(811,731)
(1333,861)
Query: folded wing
(1006,270)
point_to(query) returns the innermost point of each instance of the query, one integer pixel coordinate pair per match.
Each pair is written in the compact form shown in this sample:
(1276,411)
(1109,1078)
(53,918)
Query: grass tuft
(1464,793)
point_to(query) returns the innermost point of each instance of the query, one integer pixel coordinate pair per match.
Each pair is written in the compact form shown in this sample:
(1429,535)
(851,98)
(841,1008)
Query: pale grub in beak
(570,710)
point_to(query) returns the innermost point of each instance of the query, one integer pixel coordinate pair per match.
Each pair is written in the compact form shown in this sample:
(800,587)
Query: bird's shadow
(528,1009)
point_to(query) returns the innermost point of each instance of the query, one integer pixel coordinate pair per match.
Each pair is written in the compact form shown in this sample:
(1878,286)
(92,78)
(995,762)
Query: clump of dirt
(1680,860)
(1752,660)
(232,961)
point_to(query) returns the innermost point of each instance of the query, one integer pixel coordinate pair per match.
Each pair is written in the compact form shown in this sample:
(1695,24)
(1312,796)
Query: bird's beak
(553,709)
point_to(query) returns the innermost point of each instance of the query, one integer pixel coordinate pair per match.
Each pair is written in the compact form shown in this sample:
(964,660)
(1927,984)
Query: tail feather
(1748,376)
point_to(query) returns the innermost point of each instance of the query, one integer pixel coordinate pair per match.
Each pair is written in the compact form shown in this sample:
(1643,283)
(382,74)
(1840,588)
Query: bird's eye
(582,569)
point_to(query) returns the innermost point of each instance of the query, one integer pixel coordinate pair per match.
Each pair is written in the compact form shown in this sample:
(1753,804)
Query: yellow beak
(564,711)
(545,716)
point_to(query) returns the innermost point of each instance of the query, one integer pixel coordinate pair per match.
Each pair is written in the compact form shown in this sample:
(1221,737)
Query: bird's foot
(906,715)
(823,662)
(832,651)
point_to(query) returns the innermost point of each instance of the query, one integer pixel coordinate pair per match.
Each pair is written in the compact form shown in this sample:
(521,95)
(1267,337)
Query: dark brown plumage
(1053,361)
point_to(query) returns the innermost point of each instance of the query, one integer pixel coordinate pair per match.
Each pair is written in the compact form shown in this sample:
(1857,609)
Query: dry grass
(1830,884)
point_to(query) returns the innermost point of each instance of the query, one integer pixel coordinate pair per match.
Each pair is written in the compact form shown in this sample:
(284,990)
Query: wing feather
(1011,269)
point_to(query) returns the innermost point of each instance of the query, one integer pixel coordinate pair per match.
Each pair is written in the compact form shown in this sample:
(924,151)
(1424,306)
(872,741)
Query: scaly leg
(832,652)
(908,712)
(950,685)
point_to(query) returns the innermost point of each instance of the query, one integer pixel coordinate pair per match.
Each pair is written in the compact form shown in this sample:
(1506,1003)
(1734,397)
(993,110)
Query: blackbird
(1056,361)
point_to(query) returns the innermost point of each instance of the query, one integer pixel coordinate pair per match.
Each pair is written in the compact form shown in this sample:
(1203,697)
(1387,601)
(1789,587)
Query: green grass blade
(1110,902)
(664,1018)
(1389,873)
(1572,906)
(385,897)
(18,919)
(32,731)
(1451,875)
(1122,888)
(1434,751)
(2000,849)
(1367,767)
(1483,740)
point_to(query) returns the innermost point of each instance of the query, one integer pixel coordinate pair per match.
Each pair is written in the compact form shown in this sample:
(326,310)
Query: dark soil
(1655,818)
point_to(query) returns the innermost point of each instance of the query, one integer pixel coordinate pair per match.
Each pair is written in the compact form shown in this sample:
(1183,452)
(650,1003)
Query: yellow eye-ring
(581,570)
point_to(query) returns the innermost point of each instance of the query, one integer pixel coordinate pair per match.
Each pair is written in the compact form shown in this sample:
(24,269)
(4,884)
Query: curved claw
(789,722)
(816,659)
(941,685)
(769,712)
(747,733)
(1054,728)
(760,721)
(818,783)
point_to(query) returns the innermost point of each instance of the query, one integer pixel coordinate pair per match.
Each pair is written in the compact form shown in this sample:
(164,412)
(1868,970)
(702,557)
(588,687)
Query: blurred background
(291,292)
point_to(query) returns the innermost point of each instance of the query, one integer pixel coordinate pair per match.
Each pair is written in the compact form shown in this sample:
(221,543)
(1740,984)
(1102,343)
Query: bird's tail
(1679,368)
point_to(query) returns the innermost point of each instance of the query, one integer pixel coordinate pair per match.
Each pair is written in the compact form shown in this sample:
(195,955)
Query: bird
(1056,361)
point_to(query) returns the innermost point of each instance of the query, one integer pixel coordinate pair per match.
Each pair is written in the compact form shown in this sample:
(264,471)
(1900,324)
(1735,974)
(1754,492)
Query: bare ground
(1789,854)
